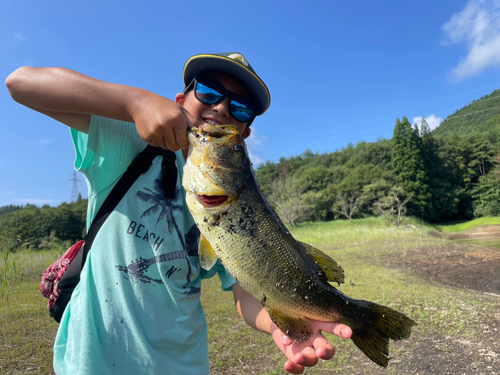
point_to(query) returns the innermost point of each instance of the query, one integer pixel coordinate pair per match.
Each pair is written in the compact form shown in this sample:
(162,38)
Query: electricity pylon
(74,190)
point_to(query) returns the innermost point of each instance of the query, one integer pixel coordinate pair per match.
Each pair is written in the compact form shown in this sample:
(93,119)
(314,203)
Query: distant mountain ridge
(480,115)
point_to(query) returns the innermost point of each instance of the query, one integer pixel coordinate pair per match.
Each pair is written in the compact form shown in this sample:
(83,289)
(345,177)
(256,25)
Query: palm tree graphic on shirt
(166,208)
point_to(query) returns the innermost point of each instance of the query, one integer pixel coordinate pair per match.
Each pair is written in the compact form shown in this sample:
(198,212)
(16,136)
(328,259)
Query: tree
(300,160)
(69,226)
(440,175)
(284,168)
(361,175)
(286,196)
(486,195)
(472,157)
(482,155)
(408,166)
(50,225)
(375,192)
(497,166)
(266,173)
(10,208)
(396,200)
(349,204)
(319,204)
(317,177)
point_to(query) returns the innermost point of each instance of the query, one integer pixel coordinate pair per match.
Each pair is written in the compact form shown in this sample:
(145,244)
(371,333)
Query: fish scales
(290,278)
(265,241)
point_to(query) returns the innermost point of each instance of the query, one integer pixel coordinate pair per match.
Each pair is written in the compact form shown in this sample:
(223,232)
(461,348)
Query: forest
(42,228)
(449,174)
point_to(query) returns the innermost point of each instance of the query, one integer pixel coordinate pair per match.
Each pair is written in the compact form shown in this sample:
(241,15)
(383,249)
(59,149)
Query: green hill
(480,115)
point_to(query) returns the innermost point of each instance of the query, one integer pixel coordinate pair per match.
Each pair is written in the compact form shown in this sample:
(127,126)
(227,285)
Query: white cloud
(20,37)
(36,201)
(256,160)
(478,27)
(431,120)
(44,142)
(255,140)
(254,143)
(8,192)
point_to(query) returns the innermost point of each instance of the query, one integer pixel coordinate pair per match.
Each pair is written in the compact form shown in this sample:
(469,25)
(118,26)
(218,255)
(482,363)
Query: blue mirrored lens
(207,95)
(241,112)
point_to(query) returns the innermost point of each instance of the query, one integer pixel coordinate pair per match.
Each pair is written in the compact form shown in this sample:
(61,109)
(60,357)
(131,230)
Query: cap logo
(239,57)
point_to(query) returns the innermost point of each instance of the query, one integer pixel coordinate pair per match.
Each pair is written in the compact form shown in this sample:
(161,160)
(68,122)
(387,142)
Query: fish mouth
(212,200)
(214,131)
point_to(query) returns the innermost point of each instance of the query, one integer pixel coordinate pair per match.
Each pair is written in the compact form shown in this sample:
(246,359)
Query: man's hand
(299,355)
(307,354)
(162,122)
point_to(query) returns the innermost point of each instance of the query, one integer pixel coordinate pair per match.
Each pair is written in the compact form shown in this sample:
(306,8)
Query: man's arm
(299,355)
(71,98)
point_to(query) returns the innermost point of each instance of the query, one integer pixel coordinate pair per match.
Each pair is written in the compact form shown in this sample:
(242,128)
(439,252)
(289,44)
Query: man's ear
(180,98)
(246,133)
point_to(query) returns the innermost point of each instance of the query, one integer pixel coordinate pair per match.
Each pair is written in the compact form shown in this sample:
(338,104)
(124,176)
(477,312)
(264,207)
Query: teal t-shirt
(137,307)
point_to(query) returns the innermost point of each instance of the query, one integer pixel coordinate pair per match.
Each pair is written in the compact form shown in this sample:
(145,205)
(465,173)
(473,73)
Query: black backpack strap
(71,277)
(139,165)
(169,173)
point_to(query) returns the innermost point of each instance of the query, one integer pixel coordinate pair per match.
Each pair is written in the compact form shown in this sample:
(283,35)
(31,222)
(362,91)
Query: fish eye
(238,147)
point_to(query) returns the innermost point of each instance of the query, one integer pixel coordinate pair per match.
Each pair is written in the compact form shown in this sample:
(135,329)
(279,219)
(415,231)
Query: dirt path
(463,266)
(477,270)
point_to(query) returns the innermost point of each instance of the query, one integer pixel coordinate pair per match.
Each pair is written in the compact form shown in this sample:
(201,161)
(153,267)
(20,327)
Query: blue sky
(338,71)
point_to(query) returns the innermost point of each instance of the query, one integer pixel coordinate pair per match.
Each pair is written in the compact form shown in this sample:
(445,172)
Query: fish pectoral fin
(206,253)
(299,329)
(330,267)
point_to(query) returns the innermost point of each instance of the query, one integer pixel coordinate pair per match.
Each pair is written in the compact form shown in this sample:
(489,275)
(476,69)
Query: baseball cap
(235,64)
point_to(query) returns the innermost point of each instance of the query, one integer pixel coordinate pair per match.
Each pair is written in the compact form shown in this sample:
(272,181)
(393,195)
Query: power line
(302,137)
(471,113)
(369,130)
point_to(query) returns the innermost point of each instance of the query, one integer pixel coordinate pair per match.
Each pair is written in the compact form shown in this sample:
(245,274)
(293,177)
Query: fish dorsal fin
(299,329)
(330,267)
(206,253)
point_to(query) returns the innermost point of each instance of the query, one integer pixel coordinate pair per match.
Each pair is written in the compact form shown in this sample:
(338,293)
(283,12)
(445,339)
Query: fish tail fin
(384,324)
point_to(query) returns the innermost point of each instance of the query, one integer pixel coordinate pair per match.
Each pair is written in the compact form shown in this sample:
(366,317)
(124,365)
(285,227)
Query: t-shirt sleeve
(103,155)
(227,281)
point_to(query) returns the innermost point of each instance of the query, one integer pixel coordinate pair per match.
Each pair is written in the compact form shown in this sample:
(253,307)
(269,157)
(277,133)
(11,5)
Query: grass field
(458,227)
(369,250)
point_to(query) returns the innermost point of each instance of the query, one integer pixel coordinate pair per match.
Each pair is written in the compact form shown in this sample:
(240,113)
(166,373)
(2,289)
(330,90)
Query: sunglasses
(210,92)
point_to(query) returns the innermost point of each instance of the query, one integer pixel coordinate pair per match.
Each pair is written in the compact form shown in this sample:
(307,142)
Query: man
(137,307)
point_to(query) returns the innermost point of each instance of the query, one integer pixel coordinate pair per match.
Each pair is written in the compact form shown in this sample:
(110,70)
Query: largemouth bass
(290,278)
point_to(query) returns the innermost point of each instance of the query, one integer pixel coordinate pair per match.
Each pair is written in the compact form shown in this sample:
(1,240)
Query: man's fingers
(180,129)
(191,120)
(176,136)
(337,329)
(181,136)
(286,341)
(307,357)
(324,349)
(342,331)
(293,368)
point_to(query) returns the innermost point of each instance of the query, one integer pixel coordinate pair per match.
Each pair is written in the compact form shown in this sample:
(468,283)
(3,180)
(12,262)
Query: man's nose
(222,107)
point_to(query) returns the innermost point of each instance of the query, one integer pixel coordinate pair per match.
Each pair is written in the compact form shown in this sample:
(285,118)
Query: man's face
(217,114)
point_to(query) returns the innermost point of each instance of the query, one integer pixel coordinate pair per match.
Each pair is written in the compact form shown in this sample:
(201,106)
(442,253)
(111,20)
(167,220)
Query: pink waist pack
(49,286)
